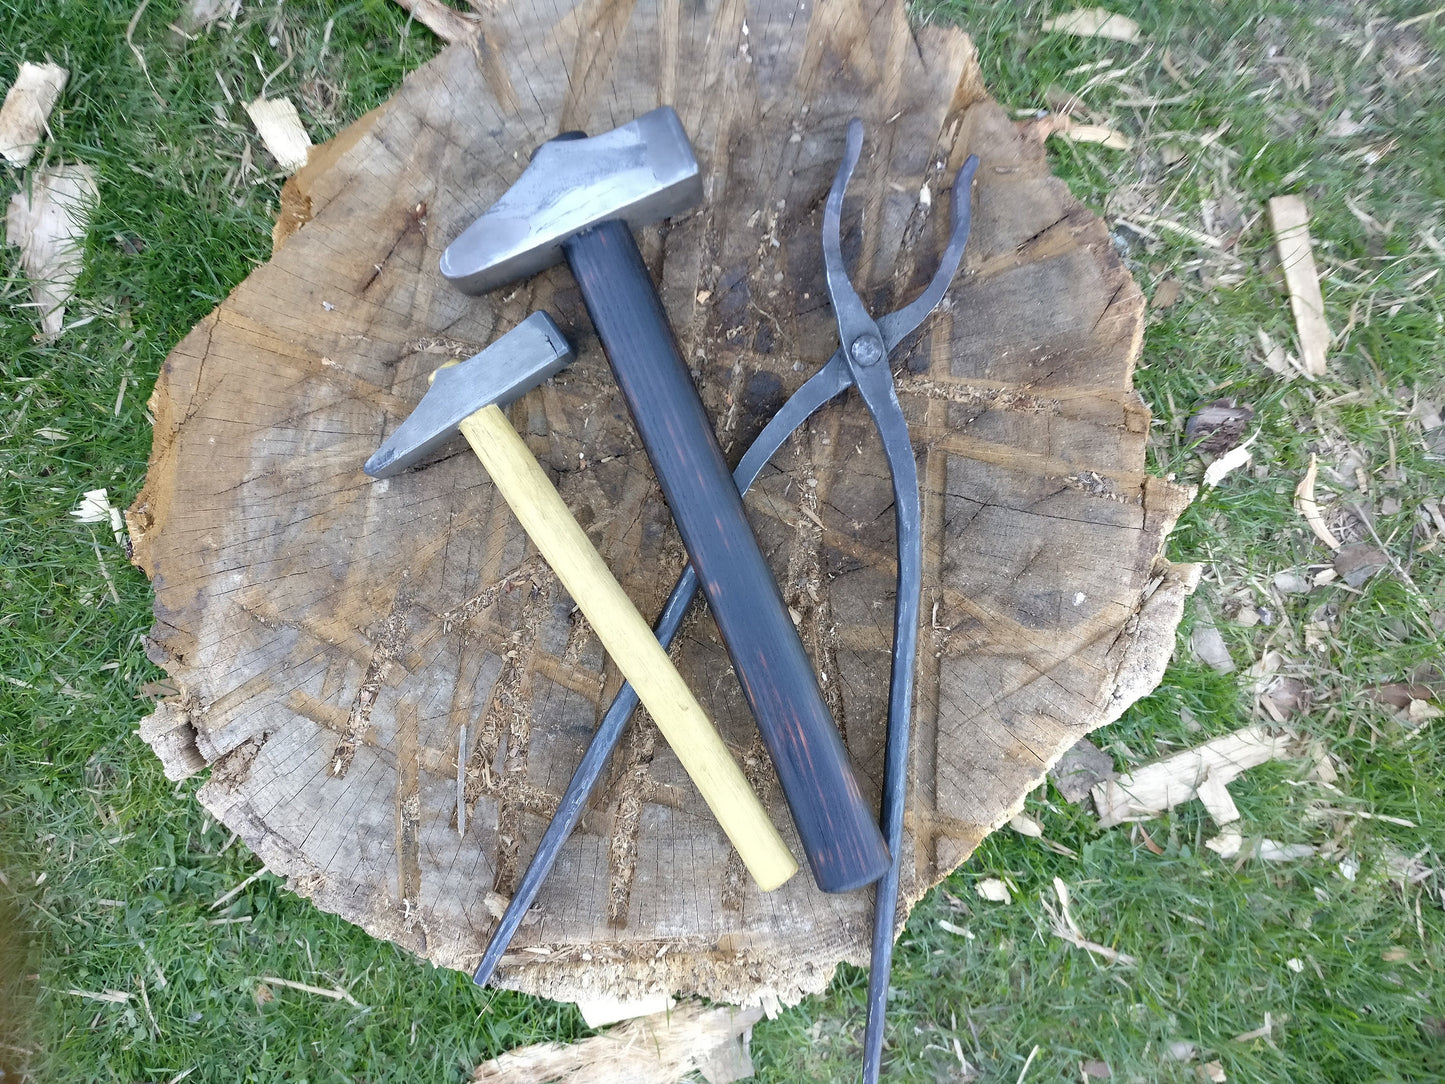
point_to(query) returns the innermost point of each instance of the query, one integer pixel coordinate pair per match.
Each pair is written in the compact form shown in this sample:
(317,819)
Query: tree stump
(340,643)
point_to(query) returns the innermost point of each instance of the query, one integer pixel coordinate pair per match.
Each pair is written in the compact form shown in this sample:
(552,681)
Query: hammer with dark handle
(467,397)
(578,200)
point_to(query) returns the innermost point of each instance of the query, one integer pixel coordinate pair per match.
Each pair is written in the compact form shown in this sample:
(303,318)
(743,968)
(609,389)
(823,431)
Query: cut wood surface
(331,636)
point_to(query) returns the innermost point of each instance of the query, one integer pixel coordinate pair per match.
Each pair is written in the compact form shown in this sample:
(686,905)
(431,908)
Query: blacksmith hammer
(468,397)
(578,200)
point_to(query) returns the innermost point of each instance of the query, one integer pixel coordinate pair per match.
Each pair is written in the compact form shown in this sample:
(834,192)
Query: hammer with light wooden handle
(467,397)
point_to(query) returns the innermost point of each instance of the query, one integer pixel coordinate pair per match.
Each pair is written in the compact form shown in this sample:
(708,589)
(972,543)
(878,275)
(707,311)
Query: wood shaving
(993,890)
(1025,825)
(1215,797)
(1160,786)
(1230,461)
(1066,929)
(47,220)
(1270,851)
(1093,23)
(1290,219)
(26,112)
(280,128)
(1305,505)
(1096,133)
(1227,844)
(333,992)
(658,1049)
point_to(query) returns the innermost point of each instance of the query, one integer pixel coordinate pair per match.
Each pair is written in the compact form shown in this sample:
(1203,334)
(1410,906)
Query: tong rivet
(866,350)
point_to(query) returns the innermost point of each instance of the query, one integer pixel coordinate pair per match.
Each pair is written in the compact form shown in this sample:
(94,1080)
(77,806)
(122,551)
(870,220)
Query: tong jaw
(854,323)
(857,331)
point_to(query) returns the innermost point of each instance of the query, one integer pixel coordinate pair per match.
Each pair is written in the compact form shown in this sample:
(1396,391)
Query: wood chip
(1213,1072)
(1290,221)
(1025,825)
(1215,797)
(993,890)
(603,1011)
(1227,844)
(1180,1050)
(1218,426)
(656,1049)
(47,219)
(281,130)
(1209,647)
(1099,134)
(1166,294)
(1276,359)
(26,112)
(1160,786)
(1271,851)
(1094,23)
(1305,505)
(1229,462)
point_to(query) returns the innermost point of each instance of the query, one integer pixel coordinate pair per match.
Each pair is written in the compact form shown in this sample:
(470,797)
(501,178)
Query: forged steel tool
(834,378)
(467,397)
(866,345)
(578,200)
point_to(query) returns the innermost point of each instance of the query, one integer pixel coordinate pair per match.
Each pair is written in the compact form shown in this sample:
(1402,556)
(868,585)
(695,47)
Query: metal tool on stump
(467,398)
(834,378)
(578,200)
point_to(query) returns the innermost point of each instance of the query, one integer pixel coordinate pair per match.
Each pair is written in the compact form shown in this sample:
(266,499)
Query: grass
(110,874)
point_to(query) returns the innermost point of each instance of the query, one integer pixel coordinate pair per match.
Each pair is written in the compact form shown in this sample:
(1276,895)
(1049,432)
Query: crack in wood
(387,648)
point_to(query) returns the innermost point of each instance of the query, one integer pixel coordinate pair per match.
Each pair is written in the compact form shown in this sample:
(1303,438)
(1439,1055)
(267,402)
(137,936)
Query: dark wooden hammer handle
(839,834)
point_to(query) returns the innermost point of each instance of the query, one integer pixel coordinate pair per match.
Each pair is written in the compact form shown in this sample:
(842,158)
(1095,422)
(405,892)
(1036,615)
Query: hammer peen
(578,200)
(467,397)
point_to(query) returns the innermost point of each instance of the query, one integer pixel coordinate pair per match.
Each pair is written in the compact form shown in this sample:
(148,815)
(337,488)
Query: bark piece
(1079,770)
(1219,426)
(47,219)
(1290,221)
(26,111)
(331,635)
(1160,786)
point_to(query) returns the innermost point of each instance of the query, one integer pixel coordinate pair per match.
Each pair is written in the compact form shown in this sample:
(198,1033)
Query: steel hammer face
(639,173)
(517,362)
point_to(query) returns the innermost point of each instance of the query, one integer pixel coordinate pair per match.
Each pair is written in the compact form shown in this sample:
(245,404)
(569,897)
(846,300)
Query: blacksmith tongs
(862,360)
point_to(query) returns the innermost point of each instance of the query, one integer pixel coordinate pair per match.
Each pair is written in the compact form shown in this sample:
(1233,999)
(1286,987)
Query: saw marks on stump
(331,636)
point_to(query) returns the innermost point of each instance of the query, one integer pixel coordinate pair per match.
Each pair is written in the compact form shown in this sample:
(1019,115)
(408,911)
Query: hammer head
(518,361)
(641,172)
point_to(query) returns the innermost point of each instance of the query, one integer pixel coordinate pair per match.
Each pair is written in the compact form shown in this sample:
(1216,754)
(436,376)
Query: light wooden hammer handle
(631,643)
